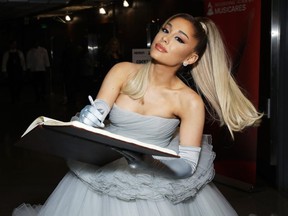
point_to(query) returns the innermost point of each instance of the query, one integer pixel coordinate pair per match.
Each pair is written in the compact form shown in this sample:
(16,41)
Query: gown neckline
(142,115)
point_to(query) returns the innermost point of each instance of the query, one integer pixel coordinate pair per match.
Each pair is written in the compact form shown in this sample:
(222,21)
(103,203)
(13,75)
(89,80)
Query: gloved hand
(182,167)
(95,114)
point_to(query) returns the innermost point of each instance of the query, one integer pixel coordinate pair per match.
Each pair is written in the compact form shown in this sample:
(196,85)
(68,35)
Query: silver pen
(91,100)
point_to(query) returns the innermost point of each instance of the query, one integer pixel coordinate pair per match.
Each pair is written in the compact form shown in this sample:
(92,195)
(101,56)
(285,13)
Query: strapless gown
(118,190)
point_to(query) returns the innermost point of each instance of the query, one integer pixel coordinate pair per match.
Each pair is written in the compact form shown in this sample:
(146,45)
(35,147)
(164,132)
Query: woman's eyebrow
(184,34)
(181,32)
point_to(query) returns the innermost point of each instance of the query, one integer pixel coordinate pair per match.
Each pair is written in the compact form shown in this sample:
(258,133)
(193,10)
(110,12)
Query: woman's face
(174,43)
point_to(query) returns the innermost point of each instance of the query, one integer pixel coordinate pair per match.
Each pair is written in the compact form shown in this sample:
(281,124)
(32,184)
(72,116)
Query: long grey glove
(182,167)
(95,114)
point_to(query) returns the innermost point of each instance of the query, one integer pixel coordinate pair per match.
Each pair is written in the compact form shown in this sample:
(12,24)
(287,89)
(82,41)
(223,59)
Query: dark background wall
(132,26)
(128,24)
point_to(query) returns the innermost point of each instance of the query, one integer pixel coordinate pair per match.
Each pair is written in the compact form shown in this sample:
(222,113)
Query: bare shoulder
(114,80)
(121,71)
(192,114)
(125,68)
(190,102)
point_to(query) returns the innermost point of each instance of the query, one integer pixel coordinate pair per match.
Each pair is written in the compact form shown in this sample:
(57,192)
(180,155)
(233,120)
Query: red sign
(239,22)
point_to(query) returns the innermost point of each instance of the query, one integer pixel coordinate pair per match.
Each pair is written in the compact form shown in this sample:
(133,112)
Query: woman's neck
(162,75)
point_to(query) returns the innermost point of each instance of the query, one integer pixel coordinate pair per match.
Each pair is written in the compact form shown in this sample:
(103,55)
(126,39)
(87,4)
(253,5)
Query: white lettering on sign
(229,6)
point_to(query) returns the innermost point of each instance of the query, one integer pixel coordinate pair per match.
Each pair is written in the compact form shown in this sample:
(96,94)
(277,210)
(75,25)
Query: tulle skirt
(73,197)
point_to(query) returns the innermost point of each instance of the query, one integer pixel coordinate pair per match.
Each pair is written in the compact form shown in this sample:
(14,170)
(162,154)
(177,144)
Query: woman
(150,103)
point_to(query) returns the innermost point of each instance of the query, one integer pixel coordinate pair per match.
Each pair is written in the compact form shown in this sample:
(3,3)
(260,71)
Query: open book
(77,141)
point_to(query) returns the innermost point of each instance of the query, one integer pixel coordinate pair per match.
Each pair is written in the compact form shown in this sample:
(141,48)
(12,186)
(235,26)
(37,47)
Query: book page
(42,120)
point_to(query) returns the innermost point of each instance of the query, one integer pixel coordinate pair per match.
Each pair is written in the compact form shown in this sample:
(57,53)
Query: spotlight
(102,10)
(125,3)
(67,18)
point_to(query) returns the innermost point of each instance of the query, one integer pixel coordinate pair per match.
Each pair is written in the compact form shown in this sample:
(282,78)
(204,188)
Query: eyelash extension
(165,30)
(179,39)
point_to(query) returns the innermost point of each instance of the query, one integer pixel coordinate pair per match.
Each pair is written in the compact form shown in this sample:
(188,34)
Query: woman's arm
(191,111)
(95,113)
(114,80)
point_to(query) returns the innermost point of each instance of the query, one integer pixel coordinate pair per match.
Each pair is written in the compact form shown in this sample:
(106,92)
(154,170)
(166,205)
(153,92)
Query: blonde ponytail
(136,86)
(212,75)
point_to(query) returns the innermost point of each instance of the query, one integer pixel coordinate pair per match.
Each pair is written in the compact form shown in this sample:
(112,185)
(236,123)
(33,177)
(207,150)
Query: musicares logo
(227,7)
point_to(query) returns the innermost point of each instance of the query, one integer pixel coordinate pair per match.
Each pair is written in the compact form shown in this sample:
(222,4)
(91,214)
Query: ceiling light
(102,10)
(125,3)
(67,18)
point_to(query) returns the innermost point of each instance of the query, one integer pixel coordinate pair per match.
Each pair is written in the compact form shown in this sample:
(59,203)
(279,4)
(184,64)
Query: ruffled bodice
(149,129)
(117,179)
